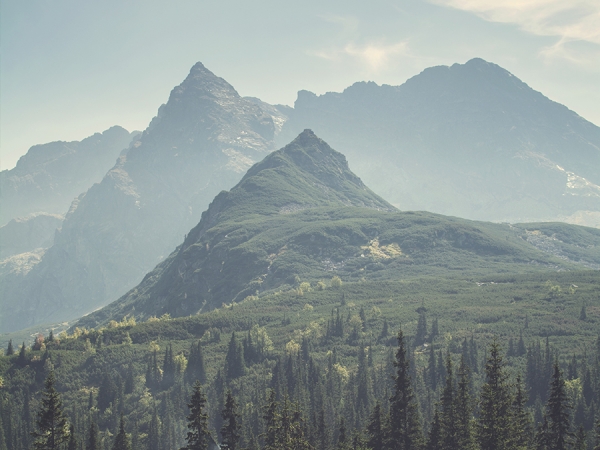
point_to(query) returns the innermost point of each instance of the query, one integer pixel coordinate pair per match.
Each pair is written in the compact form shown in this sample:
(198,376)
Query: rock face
(202,141)
(301,214)
(27,234)
(50,176)
(469,140)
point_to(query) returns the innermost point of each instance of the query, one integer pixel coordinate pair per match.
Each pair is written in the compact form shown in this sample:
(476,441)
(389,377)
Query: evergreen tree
(231,429)
(434,440)
(195,369)
(493,430)
(72,445)
(432,370)
(435,331)
(580,443)
(557,412)
(521,419)
(234,360)
(421,334)
(405,427)
(582,313)
(52,428)
(121,439)
(375,429)
(22,360)
(93,441)
(10,350)
(154,432)
(198,437)
(342,443)
(521,350)
(271,421)
(448,414)
(464,413)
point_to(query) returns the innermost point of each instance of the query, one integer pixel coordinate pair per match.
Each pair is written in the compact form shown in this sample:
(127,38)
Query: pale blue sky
(70,68)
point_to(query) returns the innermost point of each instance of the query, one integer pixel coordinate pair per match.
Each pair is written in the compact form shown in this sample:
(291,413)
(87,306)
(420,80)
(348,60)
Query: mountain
(26,234)
(201,141)
(50,176)
(469,140)
(302,215)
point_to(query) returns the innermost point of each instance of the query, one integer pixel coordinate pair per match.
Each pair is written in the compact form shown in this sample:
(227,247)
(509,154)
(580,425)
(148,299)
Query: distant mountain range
(469,140)
(50,176)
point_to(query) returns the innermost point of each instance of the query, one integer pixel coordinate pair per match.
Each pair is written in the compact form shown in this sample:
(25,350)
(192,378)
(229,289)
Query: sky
(70,68)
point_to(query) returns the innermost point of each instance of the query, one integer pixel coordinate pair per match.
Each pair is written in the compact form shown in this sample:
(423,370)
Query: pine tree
(195,369)
(375,429)
(10,350)
(52,428)
(234,360)
(493,430)
(93,441)
(557,411)
(22,360)
(521,419)
(231,429)
(464,411)
(421,334)
(72,445)
(405,427)
(434,440)
(271,421)
(432,370)
(448,414)
(121,439)
(198,437)
(154,432)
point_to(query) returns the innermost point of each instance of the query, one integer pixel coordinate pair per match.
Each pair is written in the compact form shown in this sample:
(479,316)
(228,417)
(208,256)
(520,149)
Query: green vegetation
(332,360)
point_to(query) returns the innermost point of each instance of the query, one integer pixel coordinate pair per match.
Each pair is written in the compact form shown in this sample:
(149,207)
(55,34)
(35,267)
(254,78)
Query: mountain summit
(201,141)
(470,140)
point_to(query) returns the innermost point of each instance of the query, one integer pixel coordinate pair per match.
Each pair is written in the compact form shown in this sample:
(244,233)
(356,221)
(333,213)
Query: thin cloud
(374,57)
(570,21)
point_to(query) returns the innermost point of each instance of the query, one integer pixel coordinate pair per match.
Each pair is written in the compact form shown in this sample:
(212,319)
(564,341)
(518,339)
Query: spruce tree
(198,437)
(72,445)
(558,412)
(464,413)
(375,429)
(521,419)
(434,440)
(121,439)
(493,428)
(448,414)
(93,441)
(234,360)
(405,427)
(10,350)
(52,427)
(421,334)
(231,429)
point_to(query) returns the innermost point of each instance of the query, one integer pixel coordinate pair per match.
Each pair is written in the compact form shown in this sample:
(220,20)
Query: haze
(70,68)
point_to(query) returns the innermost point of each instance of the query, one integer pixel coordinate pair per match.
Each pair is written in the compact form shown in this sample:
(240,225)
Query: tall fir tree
(121,439)
(231,429)
(234,360)
(73,444)
(375,429)
(464,410)
(10,350)
(448,413)
(93,440)
(405,427)
(558,413)
(52,427)
(493,428)
(521,419)
(198,436)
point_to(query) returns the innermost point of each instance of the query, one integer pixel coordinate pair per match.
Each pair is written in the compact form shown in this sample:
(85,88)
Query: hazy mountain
(202,141)
(301,214)
(50,176)
(470,140)
(26,234)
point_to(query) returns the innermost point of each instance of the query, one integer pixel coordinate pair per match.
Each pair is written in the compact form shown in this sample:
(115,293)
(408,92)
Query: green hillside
(302,214)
